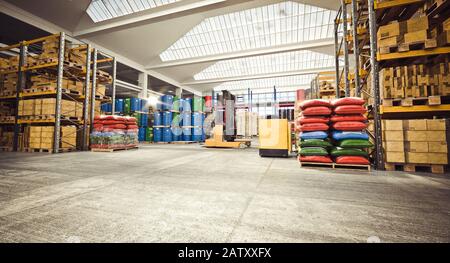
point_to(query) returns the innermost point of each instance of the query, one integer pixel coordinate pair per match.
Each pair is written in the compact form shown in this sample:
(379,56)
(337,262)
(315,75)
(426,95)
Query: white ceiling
(143,40)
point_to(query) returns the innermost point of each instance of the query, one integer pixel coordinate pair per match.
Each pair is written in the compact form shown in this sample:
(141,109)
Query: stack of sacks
(350,139)
(313,127)
(112,132)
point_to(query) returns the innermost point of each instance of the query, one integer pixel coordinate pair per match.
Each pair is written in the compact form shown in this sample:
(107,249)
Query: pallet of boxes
(422,82)
(416,145)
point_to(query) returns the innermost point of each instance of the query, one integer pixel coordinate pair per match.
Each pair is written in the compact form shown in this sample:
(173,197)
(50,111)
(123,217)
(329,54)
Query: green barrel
(149,134)
(176,103)
(198,104)
(176,119)
(138,118)
(127,106)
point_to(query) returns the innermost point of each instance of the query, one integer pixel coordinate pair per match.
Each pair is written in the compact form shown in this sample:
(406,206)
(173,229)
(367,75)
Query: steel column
(336,53)
(379,161)
(59,79)
(356,46)
(93,88)
(113,111)
(19,86)
(87,82)
(345,44)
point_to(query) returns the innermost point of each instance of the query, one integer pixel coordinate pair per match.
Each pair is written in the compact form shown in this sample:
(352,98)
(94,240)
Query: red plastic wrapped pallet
(352,160)
(349,126)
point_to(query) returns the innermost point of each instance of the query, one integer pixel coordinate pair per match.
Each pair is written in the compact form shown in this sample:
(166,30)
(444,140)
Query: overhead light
(268,83)
(272,25)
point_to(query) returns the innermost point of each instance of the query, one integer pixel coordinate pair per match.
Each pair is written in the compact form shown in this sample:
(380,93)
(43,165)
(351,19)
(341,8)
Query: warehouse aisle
(184,193)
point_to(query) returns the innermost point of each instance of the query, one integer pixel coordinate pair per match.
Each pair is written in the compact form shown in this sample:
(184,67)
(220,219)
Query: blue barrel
(187,132)
(186,117)
(141,135)
(106,107)
(177,133)
(197,119)
(119,105)
(135,104)
(158,118)
(143,105)
(159,106)
(167,101)
(181,105)
(167,134)
(197,134)
(144,119)
(157,134)
(187,104)
(203,136)
(167,118)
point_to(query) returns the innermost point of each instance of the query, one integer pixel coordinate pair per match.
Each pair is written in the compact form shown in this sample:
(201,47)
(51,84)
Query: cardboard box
(417,158)
(393,146)
(395,157)
(396,136)
(417,24)
(416,147)
(415,125)
(436,125)
(437,147)
(392,125)
(390,30)
(438,158)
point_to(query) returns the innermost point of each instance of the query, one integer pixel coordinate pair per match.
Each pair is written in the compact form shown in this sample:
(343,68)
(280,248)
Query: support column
(143,83)
(345,45)
(355,19)
(87,83)
(336,53)
(379,161)
(113,111)
(19,87)
(57,133)
(94,87)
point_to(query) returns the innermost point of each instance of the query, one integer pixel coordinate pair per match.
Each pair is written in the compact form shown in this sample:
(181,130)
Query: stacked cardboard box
(47,106)
(8,84)
(41,137)
(415,141)
(6,138)
(393,141)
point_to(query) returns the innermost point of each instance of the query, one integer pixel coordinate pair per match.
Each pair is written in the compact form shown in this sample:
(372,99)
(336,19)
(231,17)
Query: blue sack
(343,135)
(313,135)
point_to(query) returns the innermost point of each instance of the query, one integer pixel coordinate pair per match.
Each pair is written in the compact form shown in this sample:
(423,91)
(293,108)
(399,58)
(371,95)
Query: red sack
(337,118)
(316,159)
(130,119)
(98,127)
(110,122)
(348,101)
(315,111)
(314,127)
(313,103)
(132,127)
(350,109)
(349,126)
(115,126)
(303,120)
(352,160)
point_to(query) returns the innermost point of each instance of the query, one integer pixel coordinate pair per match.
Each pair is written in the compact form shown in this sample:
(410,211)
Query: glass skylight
(101,10)
(273,63)
(297,81)
(277,24)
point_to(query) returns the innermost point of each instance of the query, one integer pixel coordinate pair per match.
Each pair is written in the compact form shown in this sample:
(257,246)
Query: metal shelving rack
(60,69)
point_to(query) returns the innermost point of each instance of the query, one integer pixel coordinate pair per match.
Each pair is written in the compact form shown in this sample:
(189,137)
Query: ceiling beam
(154,13)
(329,42)
(259,76)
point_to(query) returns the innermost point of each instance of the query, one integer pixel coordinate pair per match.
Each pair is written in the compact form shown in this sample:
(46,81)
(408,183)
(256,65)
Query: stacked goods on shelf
(350,139)
(326,90)
(6,137)
(6,112)
(416,142)
(41,137)
(313,127)
(40,109)
(8,85)
(114,132)
(246,123)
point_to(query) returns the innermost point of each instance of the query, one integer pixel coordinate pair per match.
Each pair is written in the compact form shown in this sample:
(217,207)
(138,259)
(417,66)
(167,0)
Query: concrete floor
(185,193)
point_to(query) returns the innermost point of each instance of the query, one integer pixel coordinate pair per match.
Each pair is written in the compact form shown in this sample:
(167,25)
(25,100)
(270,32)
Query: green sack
(336,152)
(315,143)
(313,151)
(355,143)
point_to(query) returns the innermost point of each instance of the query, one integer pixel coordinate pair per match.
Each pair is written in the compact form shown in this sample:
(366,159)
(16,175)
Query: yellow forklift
(274,138)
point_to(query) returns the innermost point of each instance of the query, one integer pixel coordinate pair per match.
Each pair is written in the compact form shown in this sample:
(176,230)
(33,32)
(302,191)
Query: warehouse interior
(224,121)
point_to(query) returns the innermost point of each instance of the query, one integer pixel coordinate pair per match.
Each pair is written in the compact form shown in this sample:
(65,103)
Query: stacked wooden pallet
(418,143)
(40,138)
(36,108)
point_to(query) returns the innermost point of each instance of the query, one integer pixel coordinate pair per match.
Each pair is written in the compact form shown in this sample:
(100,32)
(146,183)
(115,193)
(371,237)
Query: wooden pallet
(42,61)
(430,100)
(6,149)
(48,150)
(409,167)
(405,47)
(114,149)
(184,142)
(336,165)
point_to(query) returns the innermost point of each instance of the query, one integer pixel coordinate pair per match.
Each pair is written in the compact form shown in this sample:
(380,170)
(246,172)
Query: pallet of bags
(114,132)
(312,124)
(349,137)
